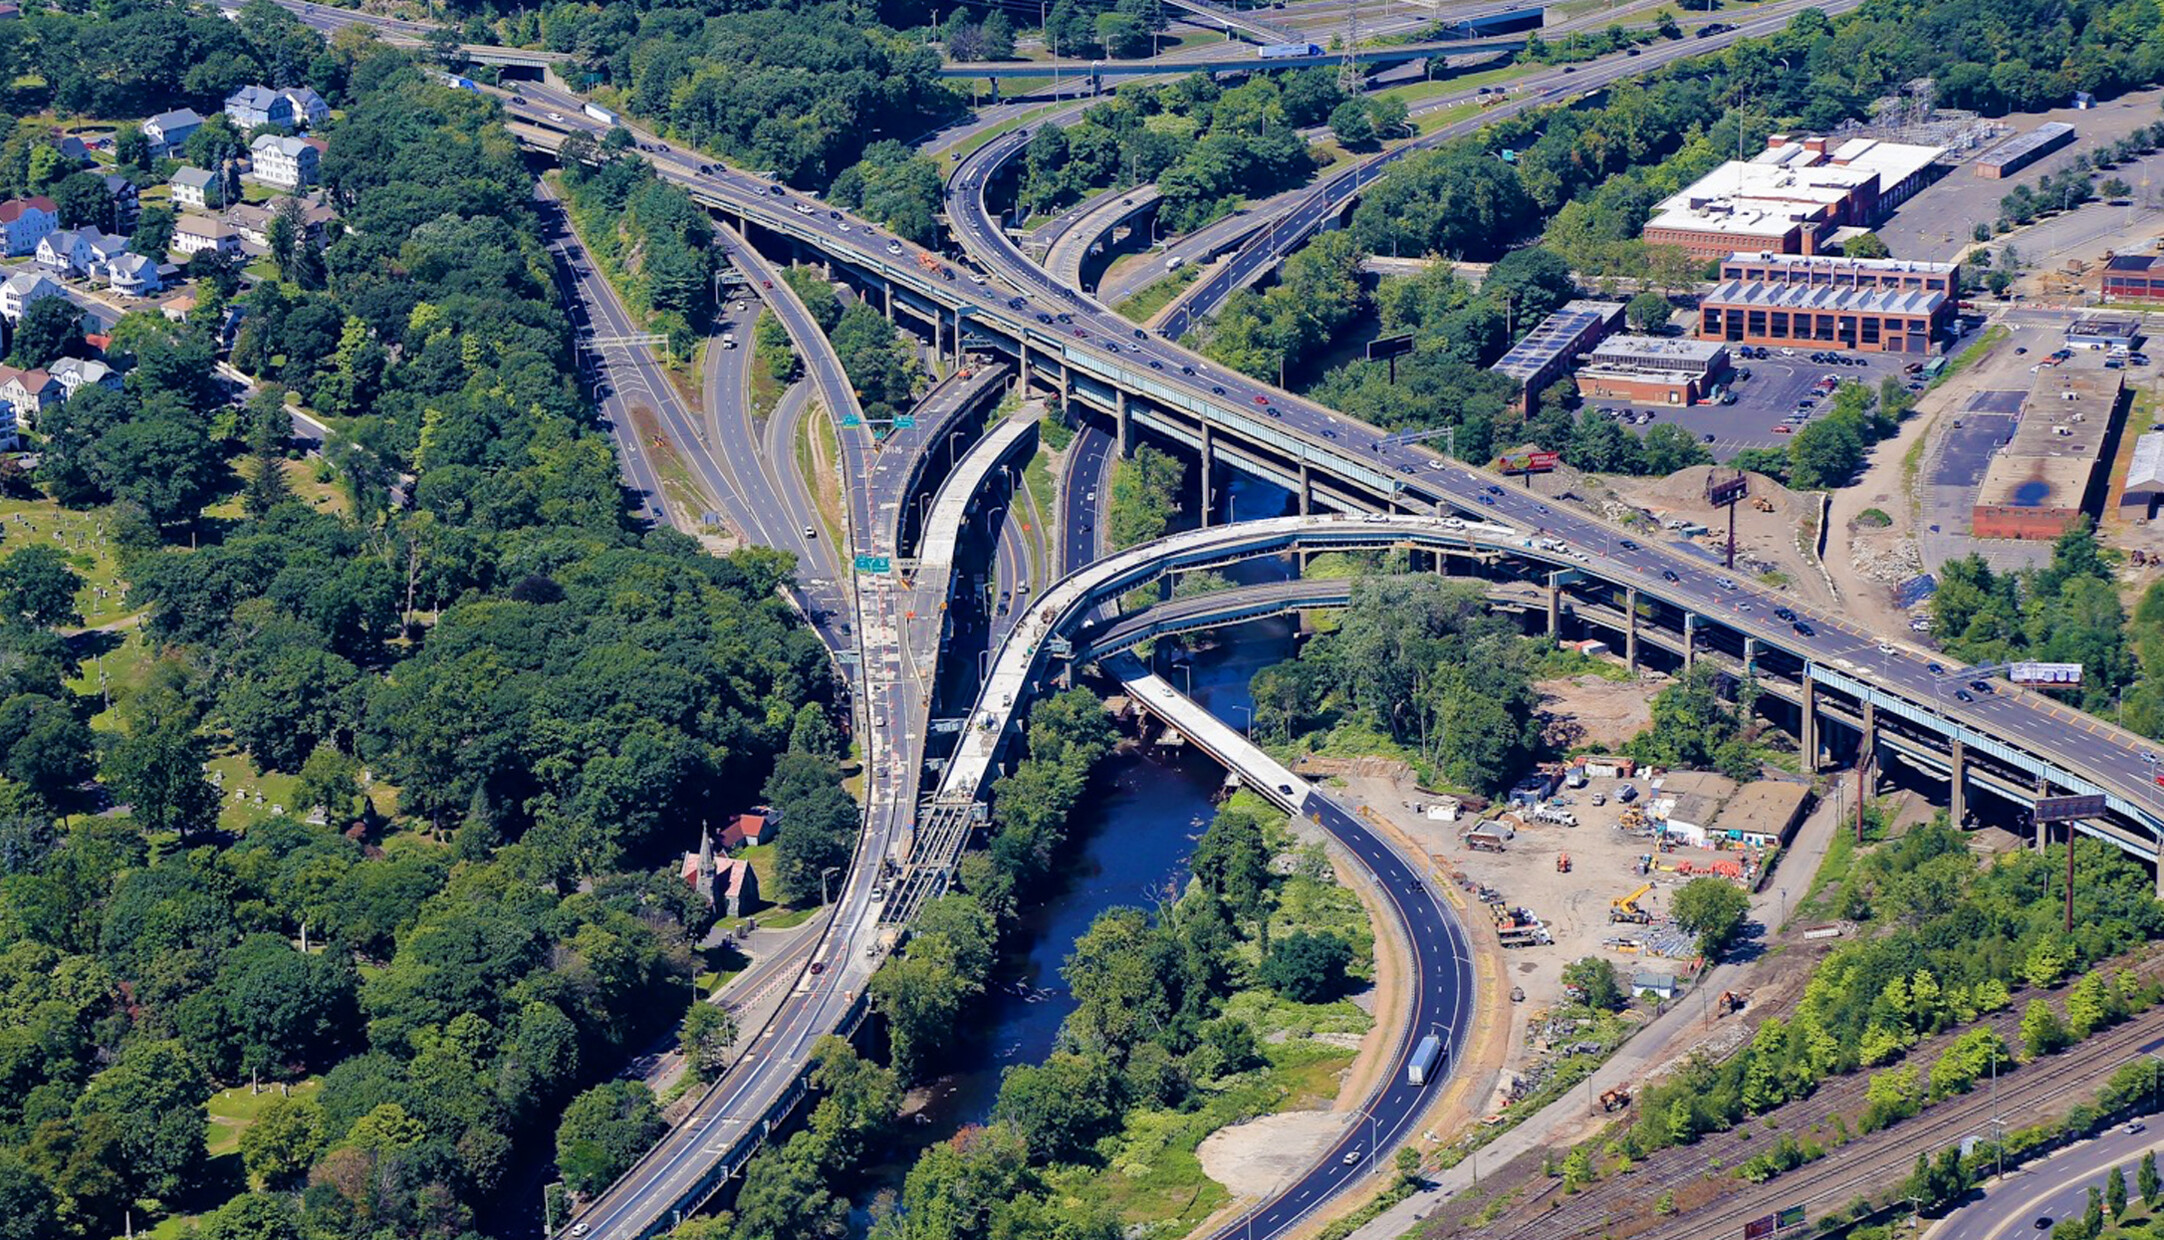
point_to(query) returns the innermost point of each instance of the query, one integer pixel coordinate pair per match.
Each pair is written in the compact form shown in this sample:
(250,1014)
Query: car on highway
(1981,686)
(1352,1157)
(1079,334)
(1489,500)
(1669,574)
(2132,1126)
(1885,648)
(1783,613)
(2042,1223)
(1963,695)
(1141,335)
(1628,545)
(558,117)
(818,967)
(1261,399)
(1726,583)
(894,247)
(1936,669)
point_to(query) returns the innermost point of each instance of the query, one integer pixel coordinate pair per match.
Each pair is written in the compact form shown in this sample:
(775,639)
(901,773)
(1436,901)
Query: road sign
(875,564)
(2049,675)
(2062,809)
(850,419)
(1790,1217)
(1528,462)
(903,422)
(1727,490)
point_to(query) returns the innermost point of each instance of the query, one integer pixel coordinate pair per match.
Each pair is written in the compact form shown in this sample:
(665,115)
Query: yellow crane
(1625,908)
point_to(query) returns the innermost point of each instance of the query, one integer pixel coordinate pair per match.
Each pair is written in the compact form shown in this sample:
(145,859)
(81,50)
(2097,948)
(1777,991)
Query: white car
(844,226)
(977,278)
(894,248)
(558,117)
(803,208)
(1885,648)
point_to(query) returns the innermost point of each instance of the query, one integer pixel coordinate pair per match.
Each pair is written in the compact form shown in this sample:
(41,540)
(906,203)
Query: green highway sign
(850,419)
(875,564)
(903,422)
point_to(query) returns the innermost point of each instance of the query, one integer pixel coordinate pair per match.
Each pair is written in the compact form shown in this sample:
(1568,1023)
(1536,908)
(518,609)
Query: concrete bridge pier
(1867,743)
(2043,829)
(1690,640)
(1021,381)
(1957,800)
(1807,724)
(1209,455)
(1555,605)
(886,289)
(1124,433)
(1630,627)
(1750,658)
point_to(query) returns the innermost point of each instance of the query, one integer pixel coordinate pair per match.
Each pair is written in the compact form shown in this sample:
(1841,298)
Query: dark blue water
(1128,844)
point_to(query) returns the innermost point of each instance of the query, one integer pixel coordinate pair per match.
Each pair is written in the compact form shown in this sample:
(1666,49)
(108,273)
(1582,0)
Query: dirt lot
(1573,906)
(1593,710)
(1777,546)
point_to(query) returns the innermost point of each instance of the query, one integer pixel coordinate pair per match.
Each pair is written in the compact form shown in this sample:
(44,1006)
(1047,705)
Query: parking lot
(1765,399)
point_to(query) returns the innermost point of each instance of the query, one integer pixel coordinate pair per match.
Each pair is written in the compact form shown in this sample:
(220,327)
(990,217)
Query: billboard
(1758,1227)
(2048,675)
(1390,346)
(1720,491)
(2060,809)
(1791,1216)
(1528,462)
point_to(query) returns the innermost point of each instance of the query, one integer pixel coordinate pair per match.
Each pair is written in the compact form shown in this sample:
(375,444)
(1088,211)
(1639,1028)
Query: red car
(766,284)
(1782,430)
(1262,400)
(818,967)
(1081,334)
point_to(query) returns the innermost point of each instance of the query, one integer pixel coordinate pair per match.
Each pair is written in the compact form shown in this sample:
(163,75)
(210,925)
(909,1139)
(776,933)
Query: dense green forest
(1423,663)
(545,699)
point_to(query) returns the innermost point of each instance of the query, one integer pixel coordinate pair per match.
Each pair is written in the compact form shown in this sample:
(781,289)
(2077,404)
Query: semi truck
(1426,1057)
(601,114)
(1287,51)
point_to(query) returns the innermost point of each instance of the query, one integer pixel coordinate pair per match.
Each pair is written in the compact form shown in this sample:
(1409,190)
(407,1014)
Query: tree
(329,781)
(83,202)
(1713,909)
(283,1142)
(1596,977)
(50,328)
(708,1032)
(604,1131)
(38,588)
(2113,187)
(2147,1181)
(2115,1191)
(131,148)
(1060,1107)
(153,233)
(254,1216)
(785,1193)
(158,764)
(1865,245)
(1354,125)
(2042,1033)
(1306,967)
(1232,863)
(1649,312)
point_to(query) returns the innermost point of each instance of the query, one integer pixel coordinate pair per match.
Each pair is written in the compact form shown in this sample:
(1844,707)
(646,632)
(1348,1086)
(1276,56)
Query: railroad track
(1616,1203)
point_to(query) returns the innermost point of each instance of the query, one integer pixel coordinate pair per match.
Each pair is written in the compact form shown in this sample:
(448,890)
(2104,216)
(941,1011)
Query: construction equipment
(930,264)
(1761,503)
(1625,908)
(1562,863)
(1729,1001)
(1615,1099)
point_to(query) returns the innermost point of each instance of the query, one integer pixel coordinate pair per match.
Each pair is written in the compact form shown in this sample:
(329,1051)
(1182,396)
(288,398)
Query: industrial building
(1792,197)
(2133,277)
(1548,350)
(2021,150)
(2100,332)
(1652,370)
(2144,488)
(1823,316)
(1838,271)
(2041,482)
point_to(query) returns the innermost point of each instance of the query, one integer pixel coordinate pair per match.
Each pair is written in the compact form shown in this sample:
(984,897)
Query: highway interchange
(1062,323)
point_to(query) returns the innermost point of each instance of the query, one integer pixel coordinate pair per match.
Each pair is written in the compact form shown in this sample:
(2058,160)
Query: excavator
(1625,908)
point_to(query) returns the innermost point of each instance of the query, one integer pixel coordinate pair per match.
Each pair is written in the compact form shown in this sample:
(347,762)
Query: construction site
(1581,859)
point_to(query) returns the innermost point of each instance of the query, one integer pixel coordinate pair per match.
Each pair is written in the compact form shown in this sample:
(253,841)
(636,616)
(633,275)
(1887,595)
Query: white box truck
(1426,1057)
(601,114)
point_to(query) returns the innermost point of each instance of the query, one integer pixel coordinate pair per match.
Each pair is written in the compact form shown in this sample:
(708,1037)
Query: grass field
(82,535)
(1140,307)
(232,1110)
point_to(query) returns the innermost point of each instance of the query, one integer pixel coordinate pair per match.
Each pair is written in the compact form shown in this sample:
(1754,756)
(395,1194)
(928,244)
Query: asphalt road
(2056,1189)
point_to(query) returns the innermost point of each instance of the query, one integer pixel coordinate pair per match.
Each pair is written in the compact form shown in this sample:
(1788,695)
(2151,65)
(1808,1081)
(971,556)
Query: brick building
(1791,197)
(1652,370)
(1547,351)
(1824,316)
(2041,482)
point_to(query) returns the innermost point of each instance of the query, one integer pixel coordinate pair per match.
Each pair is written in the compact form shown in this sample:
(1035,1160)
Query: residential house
(79,251)
(73,372)
(127,202)
(178,307)
(198,188)
(132,275)
(308,106)
(254,219)
(25,222)
(72,147)
(286,163)
(252,107)
(24,289)
(167,130)
(10,430)
(750,828)
(200,232)
(28,393)
(9,10)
